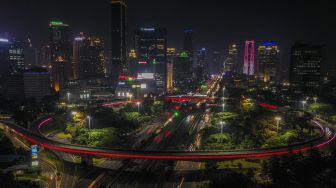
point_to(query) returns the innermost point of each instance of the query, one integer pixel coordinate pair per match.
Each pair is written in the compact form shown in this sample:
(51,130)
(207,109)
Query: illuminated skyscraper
(201,70)
(88,56)
(151,49)
(5,65)
(16,55)
(306,67)
(60,54)
(118,37)
(171,55)
(132,62)
(182,75)
(249,58)
(217,63)
(268,61)
(232,62)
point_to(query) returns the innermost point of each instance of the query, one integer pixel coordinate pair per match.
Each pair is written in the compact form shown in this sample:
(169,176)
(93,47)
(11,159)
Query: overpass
(327,137)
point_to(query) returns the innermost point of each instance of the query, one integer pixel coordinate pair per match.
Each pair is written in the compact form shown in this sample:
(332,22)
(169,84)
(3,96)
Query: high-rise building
(5,65)
(217,63)
(151,49)
(171,55)
(118,37)
(306,67)
(268,61)
(31,83)
(201,70)
(132,62)
(16,55)
(36,83)
(60,54)
(45,58)
(232,61)
(182,75)
(249,58)
(88,57)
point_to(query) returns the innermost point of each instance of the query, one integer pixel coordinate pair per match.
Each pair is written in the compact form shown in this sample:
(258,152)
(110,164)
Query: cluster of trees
(28,110)
(327,111)
(256,128)
(298,170)
(106,137)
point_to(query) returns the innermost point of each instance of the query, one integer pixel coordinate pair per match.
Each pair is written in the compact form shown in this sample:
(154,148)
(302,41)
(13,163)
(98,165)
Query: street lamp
(221,128)
(315,99)
(303,105)
(130,96)
(277,119)
(89,123)
(223,107)
(68,96)
(138,103)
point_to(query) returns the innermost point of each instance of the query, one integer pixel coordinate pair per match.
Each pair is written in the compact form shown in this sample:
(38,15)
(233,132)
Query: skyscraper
(88,56)
(182,75)
(171,55)
(5,65)
(249,58)
(188,42)
(217,63)
(268,61)
(232,62)
(16,55)
(60,54)
(151,49)
(118,37)
(306,67)
(201,69)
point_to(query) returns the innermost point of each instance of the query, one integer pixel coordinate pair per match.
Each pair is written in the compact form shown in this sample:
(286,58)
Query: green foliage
(71,129)
(282,140)
(157,107)
(320,108)
(137,117)
(332,119)
(224,117)
(106,137)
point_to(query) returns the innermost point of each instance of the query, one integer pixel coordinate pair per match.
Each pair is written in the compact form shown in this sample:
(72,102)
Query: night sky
(216,23)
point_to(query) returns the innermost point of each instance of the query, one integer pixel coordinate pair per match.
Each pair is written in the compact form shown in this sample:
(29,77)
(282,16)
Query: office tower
(306,67)
(132,60)
(232,61)
(151,48)
(201,70)
(77,45)
(188,44)
(60,54)
(182,75)
(88,57)
(45,58)
(268,61)
(31,83)
(249,58)
(5,65)
(217,63)
(36,83)
(16,55)
(118,37)
(171,55)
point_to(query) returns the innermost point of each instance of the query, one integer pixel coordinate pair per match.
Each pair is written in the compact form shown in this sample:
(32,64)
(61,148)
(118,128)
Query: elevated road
(327,137)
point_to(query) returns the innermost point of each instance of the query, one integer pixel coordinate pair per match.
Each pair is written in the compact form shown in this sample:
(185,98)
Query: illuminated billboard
(145,76)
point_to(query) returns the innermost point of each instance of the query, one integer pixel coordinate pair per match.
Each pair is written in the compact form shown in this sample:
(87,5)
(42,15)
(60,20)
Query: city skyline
(238,21)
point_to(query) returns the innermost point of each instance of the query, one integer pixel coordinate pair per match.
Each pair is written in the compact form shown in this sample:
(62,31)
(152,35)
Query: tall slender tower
(118,37)
(249,58)
(60,54)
